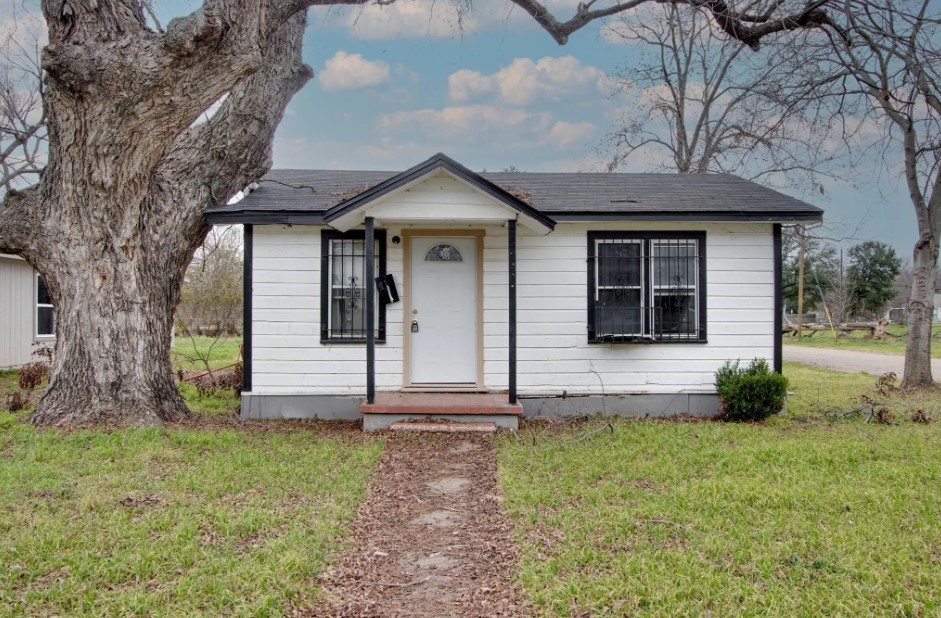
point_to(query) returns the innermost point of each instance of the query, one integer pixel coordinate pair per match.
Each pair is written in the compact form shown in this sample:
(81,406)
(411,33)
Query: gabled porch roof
(353,211)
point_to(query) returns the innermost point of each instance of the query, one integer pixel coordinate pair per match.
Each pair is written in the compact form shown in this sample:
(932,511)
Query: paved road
(875,363)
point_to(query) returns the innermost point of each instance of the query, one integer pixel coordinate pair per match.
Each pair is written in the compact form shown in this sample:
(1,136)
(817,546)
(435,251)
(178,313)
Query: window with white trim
(343,286)
(45,313)
(647,286)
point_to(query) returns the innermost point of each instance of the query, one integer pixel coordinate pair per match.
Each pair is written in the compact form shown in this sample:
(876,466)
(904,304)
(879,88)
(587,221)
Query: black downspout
(370,311)
(778,300)
(249,250)
(511,244)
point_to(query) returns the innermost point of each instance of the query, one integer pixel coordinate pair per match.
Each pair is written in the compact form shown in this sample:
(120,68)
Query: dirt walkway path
(430,539)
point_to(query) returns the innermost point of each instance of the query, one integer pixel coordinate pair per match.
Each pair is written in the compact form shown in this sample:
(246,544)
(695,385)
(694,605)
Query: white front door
(443,311)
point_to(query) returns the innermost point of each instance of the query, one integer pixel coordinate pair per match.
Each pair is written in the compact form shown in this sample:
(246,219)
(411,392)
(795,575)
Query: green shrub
(751,393)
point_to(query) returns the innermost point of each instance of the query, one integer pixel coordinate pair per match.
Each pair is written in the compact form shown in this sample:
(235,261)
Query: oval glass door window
(443,253)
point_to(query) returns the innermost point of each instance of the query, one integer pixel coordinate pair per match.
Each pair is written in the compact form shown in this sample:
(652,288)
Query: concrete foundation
(323,407)
(633,405)
(347,407)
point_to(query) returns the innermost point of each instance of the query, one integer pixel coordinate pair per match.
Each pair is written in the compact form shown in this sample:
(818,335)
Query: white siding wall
(287,356)
(440,197)
(17,306)
(553,353)
(552,316)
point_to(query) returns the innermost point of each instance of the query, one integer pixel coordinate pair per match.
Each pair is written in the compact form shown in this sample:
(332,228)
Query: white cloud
(524,81)
(345,71)
(466,84)
(472,123)
(565,134)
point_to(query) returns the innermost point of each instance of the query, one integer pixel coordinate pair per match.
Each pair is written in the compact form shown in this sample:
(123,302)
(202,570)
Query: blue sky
(501,93)
(394,85)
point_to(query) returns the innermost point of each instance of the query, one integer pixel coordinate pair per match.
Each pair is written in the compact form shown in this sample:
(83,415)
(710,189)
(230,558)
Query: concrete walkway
(875,363)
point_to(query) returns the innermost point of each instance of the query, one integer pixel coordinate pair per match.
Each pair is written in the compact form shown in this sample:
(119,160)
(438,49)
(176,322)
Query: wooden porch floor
(441,403)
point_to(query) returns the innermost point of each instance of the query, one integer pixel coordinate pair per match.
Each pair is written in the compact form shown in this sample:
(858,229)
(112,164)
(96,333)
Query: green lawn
(801,516)
(892,343)
(187,353)
(172,522)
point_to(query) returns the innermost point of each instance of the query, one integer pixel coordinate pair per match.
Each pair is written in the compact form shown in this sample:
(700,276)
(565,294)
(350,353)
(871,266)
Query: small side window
(45,313)
(343,287)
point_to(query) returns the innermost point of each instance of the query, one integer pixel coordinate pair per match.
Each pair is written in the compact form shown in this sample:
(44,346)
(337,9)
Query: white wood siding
(17,307)
(553,353)
(287,356)
(439,198)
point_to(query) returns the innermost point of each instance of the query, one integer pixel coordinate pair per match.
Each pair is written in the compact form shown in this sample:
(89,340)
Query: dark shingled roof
(302,196)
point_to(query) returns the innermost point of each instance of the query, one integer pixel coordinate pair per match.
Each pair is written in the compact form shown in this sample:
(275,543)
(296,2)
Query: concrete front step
(385,420)
(456,427)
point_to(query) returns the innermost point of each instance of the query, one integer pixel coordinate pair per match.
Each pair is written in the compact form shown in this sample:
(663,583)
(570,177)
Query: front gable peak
(437,190)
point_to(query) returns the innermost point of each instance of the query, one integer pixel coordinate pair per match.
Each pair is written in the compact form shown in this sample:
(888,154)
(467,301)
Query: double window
(343,286)
(646,286)
(45,314)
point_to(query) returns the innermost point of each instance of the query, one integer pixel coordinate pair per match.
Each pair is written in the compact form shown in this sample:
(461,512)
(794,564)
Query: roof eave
(712,216)
(265,217)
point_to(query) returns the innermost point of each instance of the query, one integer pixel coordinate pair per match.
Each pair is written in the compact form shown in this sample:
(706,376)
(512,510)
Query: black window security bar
(343,287)
(646,287)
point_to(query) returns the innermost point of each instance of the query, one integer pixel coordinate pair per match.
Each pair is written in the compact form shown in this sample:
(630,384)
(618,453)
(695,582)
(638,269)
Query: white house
(502,294)
(26,314)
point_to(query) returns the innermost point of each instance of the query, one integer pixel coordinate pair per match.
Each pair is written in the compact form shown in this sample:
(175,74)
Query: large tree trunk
(113,344)
(119,210)
(920,312)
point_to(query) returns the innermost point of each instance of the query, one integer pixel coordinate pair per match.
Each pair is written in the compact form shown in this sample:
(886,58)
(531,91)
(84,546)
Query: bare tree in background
(211,298)
(882,64)
(709,104)
(22,117)
(118,211)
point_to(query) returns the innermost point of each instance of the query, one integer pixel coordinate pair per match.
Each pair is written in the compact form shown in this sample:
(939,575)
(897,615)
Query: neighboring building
(26,314)
(630,291)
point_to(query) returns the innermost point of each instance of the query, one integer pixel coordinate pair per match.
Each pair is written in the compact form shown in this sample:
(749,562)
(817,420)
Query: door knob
(414,326)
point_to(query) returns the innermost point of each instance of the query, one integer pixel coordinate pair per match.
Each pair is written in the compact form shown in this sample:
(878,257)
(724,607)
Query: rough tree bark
(118,211)
(113,225)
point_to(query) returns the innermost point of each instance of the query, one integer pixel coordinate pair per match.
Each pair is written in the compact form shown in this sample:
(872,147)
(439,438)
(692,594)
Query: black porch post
(511,244)
(370,311)
(248,244)
(778,320)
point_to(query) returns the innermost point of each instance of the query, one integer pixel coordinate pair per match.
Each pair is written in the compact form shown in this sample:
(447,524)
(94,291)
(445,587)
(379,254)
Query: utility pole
(800,280)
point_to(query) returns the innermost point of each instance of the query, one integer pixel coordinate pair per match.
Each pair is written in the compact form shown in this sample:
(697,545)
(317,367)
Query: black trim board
(778,319)
(325,237)
(511,278)
(370,246)
(317,217)
(698,236)
(266,218)
(248,267)
(691,217)
(438,161)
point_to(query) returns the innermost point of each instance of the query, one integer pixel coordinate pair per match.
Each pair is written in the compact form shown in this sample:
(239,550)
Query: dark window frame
(326,279)
(645,286)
